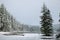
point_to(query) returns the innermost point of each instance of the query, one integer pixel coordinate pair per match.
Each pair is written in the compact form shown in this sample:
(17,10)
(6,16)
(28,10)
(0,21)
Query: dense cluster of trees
(7,21)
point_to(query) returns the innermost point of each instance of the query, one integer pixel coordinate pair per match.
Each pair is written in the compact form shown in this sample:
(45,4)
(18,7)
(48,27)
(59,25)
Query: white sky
(28,11)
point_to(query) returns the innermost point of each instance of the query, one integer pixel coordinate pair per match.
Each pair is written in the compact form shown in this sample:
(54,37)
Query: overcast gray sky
(28,11)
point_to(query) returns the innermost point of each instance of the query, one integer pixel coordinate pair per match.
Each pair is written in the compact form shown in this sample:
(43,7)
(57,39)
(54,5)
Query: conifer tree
(46,22)
(3,19)
(59,17)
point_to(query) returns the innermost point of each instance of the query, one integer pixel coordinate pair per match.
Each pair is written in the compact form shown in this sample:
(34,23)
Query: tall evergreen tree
(58,30)
(59,17)
(59,24)
(3,19)
(46,22)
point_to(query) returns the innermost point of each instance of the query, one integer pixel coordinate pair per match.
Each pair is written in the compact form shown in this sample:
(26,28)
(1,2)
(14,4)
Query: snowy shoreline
(11,33)
(27,36)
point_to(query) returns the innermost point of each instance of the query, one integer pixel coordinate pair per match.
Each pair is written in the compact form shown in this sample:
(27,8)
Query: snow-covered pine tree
(46,22)
(3,19)
(59,17)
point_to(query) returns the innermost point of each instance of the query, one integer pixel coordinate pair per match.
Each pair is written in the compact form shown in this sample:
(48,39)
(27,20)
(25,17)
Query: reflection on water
(57,39)
(51,39)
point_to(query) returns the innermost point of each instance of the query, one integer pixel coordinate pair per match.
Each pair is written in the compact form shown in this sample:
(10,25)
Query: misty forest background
(9,24)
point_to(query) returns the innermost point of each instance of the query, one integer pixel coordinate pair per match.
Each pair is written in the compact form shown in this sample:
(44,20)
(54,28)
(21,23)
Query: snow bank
(4,32)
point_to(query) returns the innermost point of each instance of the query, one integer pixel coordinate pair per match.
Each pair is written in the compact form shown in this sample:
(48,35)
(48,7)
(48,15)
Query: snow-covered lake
(27,36)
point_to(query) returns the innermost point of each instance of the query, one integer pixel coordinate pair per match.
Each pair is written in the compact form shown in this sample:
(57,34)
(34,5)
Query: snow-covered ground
(27,36)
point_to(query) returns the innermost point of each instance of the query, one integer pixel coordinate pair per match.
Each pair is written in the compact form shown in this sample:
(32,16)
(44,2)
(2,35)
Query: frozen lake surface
(27,36)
